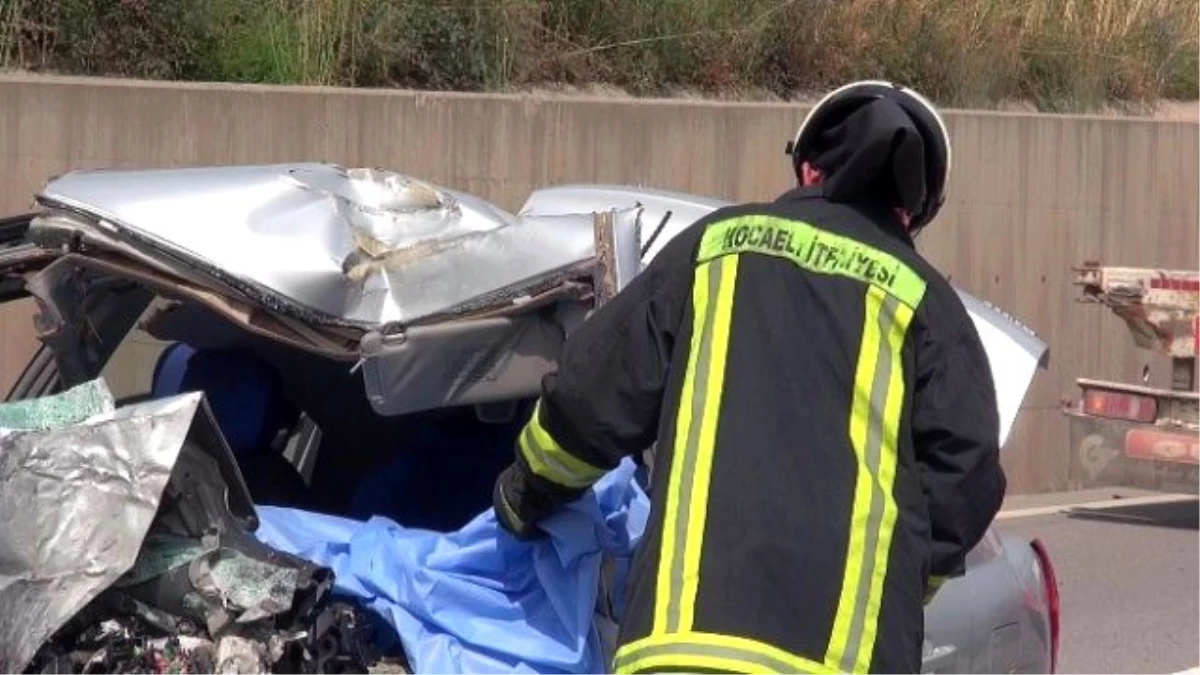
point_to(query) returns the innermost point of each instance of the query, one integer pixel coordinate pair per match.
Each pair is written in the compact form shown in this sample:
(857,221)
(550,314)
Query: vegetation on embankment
(1062,55)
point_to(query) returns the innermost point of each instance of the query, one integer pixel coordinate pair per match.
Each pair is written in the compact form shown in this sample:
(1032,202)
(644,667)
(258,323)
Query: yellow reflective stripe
(874,434)
(711,392)
(549,460)
(889,457)
(710,650)
(695,439)
(683,424)
(815,250)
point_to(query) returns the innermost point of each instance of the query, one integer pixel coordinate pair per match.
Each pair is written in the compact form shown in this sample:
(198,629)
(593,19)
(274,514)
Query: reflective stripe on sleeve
(549,460)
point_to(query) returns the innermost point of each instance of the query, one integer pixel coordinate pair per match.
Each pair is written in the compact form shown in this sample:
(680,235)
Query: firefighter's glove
(517,508)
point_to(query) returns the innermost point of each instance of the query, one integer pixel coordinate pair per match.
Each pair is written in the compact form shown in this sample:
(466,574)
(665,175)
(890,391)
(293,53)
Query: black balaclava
(872,155)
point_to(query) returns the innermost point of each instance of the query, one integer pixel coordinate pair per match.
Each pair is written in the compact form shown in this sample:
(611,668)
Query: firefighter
(822,409)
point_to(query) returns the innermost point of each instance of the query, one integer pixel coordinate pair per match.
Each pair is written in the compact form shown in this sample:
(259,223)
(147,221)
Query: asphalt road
(1128,578)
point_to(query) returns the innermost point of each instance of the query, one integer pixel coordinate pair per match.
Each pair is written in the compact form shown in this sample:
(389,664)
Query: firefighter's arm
(956,431)
(603,402)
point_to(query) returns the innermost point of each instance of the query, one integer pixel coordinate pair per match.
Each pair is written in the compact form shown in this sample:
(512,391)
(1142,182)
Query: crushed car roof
(358,247)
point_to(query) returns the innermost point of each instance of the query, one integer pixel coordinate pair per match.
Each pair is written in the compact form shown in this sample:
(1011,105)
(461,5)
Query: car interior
(432,469)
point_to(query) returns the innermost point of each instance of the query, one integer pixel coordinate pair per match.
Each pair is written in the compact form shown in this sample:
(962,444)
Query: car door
(18,255)
(38,369)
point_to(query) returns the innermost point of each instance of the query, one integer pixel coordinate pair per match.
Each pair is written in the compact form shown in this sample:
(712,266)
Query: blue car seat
(443,472)
(439,475)
(247,400)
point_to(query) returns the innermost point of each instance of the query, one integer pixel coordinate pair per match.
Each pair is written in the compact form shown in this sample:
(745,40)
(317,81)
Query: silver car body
(403,278)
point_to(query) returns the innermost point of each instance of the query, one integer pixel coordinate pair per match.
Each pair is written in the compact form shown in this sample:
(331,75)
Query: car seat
(443,472)
(250,408)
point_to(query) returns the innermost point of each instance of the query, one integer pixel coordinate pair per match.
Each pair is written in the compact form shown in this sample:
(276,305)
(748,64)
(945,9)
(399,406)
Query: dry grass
(1058,54)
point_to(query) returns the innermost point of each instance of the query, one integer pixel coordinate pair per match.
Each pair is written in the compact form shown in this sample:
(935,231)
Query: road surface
(1128,575)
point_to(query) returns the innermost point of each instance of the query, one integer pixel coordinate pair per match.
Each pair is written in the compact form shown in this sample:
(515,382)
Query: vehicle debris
(142,557)
(338,640)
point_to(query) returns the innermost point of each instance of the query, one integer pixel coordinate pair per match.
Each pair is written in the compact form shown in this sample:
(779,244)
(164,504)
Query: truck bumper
(1112,453)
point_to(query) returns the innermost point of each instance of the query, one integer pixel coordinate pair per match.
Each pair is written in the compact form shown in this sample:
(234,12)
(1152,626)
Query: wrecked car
(296,384)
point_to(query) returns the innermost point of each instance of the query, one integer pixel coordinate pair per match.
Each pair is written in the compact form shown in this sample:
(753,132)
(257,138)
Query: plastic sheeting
(478,600)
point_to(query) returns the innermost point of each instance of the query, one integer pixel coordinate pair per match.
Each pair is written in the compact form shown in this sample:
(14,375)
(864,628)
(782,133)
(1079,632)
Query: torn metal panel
(461,363)
(135,525)
(386,211)
(1014,352)
(618,251)
(501,357)
(19,255)
(77,502)
(169,320)
(486,269)
(352,247)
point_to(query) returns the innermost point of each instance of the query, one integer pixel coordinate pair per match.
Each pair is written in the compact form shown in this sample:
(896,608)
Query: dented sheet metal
(497,358)
(355,247)
(77,502)
(1014,353)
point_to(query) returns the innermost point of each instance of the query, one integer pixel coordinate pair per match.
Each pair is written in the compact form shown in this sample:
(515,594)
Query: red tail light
(1052,603)
(1117,405)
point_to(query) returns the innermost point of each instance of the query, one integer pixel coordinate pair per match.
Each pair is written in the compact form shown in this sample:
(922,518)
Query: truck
(1137,434)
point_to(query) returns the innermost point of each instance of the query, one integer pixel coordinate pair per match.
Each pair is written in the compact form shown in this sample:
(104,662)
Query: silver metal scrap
(76,503)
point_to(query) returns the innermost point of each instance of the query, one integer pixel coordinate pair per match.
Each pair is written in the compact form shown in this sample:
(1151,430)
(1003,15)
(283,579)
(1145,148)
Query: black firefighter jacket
(826,440)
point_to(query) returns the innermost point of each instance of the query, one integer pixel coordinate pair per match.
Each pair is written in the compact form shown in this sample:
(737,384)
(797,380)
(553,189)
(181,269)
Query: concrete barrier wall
(1031,195)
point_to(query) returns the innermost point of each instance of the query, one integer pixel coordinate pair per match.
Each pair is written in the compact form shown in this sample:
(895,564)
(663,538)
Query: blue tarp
(478,600)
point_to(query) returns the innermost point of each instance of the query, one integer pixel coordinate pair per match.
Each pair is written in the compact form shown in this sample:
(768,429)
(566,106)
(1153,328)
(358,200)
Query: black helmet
(840,103)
